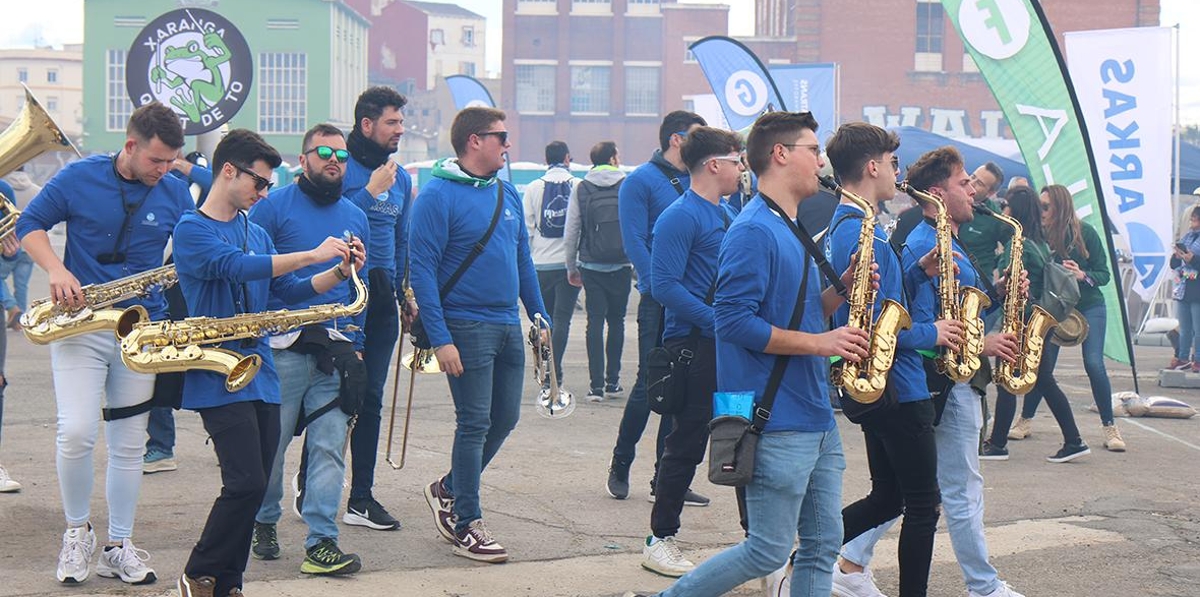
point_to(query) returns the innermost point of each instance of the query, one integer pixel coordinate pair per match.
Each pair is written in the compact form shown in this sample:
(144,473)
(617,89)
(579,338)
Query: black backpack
(601,235)
(552,222)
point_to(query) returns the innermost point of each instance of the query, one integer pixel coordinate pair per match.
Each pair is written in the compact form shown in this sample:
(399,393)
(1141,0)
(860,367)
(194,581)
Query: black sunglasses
(325,152)
(260,183)
(501,135)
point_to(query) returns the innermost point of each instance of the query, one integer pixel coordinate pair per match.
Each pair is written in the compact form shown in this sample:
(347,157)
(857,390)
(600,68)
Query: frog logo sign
(195,61)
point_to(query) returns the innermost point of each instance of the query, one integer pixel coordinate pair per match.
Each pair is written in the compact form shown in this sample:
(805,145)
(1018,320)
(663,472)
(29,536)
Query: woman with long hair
(1023,206)
(1186,263)
(1077,246)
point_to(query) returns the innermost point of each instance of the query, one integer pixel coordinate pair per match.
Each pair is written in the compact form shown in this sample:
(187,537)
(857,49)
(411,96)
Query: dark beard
(322,190)
(365,151)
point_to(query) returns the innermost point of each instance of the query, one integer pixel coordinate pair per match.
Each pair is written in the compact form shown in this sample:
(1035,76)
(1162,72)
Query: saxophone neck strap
(809,245)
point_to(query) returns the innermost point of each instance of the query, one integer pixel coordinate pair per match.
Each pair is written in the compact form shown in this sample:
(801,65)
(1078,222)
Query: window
(52,75)
(282,93)
(591,7)
(23,75)
(930,26)
(437,37)
(468,36)
(642,7)
(535,88)
(117,107)
(538,7)
(51,103)
(466,68)
(688,56)
(589,89)
(641,90)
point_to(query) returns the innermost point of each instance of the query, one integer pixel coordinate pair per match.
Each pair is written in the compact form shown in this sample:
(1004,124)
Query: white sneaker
(79,543)
(1002,591)
(127,563)
(779,582)
(854,584)
(663,556)
(7,485)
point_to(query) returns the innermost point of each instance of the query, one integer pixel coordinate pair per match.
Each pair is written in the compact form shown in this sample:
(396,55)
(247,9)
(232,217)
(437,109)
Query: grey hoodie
(23,187)
(601,176)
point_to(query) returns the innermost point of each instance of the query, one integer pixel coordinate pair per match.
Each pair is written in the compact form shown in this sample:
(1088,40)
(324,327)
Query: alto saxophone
(964,305)
(46,322)
(1019,377)
(864,382)
(168,346)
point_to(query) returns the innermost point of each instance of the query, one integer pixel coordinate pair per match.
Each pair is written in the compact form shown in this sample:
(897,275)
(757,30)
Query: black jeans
(607,300)
(559,297)
(1047,387)
(684,447)
(382,329)
(637,408)
(244,436)
(902,457)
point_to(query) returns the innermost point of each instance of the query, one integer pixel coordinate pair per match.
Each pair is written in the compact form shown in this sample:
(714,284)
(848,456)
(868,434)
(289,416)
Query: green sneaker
(264,544)
(326,558)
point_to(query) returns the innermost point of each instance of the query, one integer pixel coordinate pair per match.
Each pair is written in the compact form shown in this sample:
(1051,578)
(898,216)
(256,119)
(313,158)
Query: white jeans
(89,374)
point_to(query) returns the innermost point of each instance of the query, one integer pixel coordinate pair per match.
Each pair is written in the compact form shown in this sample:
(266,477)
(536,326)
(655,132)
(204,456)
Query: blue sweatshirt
(213,269)
(907,373)
(88,195)
(687,239)
(759,276)
(201,176)
(450,215)
(297,223)
(644,195)
(387,215)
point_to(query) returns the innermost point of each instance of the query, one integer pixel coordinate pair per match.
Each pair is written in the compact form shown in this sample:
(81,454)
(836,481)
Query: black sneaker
(690,498)
(326,558)
(618,480)
(1069,452)
(993,452)
(613,389)
(369,513)
(264,543)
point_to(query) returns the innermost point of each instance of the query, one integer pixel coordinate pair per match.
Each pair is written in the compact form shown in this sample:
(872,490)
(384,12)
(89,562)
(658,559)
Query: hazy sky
(61,21)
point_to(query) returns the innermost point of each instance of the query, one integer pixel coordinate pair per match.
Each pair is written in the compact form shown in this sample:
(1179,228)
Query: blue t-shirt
(297,223)
(448,219)
(687,240)
(907,373)
(220,279)
(89,196)
(643,196)
(387,214)
(759,276)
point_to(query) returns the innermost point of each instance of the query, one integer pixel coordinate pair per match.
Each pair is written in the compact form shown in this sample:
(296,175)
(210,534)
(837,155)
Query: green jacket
(982,235)
(1095,266)
(1033,261)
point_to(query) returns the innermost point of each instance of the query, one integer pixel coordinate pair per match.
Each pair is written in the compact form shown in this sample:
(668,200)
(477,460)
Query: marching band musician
(297,218)
(900,448)
(466,215)
(120,210)
(940,172)
(228,266)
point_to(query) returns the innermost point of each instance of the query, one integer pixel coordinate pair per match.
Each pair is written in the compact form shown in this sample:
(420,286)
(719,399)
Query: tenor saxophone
(46,322)
(864,382)
(1021,376)
(167,346)
(965,305)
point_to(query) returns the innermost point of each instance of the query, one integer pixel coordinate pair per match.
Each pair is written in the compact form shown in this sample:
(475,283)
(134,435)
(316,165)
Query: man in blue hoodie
(646,192)
(228,266)
(120,211)
(298,217)
(382,190)
(465,215)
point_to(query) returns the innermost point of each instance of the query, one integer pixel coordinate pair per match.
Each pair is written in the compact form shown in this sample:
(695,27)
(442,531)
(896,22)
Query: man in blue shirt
(382,190)
(956,435)
(120,211)
(228,266)
(646,192)
(900,448)
(474,325)
(687,238)
(297,218)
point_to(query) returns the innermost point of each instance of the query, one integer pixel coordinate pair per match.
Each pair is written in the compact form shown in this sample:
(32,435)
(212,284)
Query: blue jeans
(1189,330)
(304,389)
(1093,363)
(796,488)
(957,437)
(637,409)
(161,430)
(21,267)
(487,405)
(383,328)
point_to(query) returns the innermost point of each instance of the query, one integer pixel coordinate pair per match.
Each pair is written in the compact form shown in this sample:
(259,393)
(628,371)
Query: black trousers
(1047,386)
(684,446)
(244,436)
(902,457)
(559,297)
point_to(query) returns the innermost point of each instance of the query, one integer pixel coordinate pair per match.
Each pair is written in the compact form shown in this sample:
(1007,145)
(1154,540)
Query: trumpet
(553,402)
(419,360)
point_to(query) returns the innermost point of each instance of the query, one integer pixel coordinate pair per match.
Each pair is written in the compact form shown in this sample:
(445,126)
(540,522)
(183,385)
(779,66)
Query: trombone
(553,402)
(419,360)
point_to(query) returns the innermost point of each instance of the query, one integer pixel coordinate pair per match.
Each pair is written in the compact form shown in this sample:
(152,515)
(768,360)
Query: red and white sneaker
(441,503)
(476,543)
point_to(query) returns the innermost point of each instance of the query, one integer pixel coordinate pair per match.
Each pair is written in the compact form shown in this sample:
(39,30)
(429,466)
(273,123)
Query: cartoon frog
(189,64)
